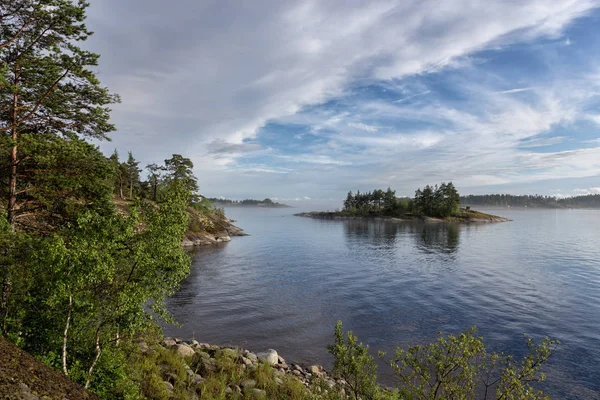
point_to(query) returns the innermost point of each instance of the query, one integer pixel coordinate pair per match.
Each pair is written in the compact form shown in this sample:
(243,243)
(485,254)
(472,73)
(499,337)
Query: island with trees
(266,203)
(432,203)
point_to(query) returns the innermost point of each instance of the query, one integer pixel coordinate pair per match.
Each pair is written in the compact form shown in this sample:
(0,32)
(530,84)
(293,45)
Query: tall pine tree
(46,85)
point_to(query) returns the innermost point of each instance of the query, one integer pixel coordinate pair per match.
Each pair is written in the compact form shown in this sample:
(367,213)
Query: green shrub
(354,364)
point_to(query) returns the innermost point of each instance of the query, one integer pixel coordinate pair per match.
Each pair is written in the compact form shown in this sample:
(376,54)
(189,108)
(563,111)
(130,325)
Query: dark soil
(24,377)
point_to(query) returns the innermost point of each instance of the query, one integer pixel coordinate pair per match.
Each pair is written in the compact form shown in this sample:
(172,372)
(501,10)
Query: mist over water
(396,284)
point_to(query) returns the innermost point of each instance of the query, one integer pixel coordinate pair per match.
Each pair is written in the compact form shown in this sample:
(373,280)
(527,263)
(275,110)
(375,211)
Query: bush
(354,364)
(453,367)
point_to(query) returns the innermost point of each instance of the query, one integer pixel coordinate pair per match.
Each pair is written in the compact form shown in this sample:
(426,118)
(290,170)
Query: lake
(395,284)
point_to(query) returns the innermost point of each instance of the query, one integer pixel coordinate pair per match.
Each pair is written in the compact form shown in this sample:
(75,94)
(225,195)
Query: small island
(431,204)
(266,203)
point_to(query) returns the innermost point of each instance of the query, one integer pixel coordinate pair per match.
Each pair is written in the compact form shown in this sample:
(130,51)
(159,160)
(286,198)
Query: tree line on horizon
(432,201)
(509,200)
(245,202)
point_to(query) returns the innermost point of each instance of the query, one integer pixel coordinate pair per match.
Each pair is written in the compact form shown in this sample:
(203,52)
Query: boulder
(246,361)
(315,369)
(184,350)
(168,342)
(270,357)
(251,356)
(197,379)
(258,394)
(248,383)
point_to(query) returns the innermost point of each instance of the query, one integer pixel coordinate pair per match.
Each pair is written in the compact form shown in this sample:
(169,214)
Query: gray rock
(168,342)
(246,361)
(251,356)
(258,394)
(270,357)
(184,350)
(197,379)
(26,393)
(315,369)
(280,360)
(248,383)
(209,364)
(194,342)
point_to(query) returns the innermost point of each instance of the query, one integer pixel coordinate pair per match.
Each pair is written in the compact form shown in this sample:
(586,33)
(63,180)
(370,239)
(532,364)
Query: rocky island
(431,204)
(465,216)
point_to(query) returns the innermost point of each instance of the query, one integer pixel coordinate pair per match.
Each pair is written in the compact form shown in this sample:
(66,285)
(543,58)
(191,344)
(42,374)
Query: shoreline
(209,354)
(196,239)
(477,217)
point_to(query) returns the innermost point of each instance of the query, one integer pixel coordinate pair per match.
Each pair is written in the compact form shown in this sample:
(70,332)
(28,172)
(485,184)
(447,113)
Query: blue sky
(308,99)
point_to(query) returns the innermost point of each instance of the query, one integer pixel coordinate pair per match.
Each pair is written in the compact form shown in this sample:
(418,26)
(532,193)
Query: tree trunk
(98,351)
(65,336)
(12,183)
(155,188)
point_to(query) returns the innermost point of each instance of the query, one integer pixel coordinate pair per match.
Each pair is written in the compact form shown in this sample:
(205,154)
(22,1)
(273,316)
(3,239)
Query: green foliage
(48,86)
(439,201)
(59,178)
(179,169)
(354,364)
(377,202)
(90,282)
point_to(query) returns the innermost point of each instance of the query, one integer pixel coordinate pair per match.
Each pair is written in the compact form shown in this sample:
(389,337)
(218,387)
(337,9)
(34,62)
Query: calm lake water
(395,284)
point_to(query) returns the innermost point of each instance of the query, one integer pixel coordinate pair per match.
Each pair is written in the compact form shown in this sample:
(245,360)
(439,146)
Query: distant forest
(247,202)
(508,200)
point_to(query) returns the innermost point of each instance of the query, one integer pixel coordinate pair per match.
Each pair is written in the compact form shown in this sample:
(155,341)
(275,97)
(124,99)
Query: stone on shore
(184,350)
(270,357)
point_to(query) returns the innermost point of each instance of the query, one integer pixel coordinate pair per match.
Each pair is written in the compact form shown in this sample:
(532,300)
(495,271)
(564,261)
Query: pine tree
(133,174)
(45,81)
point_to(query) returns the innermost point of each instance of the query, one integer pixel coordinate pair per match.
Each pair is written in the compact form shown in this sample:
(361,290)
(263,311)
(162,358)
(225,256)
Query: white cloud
(517,90)
(205,77)
(363,127)
(583,192)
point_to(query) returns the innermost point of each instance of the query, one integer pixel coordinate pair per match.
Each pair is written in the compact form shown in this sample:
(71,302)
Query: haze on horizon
(306,100)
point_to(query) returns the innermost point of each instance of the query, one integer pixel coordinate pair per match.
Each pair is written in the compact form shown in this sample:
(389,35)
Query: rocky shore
(193,239)
(203,360)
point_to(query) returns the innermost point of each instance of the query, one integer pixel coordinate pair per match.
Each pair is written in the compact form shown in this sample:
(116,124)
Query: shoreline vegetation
(266,203)
(439,203)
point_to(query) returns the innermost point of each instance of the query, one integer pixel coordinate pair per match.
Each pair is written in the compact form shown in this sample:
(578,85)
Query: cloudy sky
(309,99)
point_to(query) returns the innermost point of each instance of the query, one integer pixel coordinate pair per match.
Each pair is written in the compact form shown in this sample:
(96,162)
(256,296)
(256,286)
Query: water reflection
(443,238)
(438,238)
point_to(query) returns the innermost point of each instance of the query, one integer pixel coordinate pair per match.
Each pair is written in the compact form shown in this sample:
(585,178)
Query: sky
(306,100)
